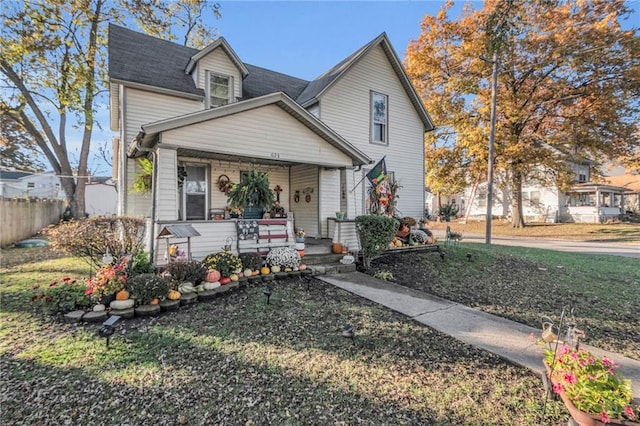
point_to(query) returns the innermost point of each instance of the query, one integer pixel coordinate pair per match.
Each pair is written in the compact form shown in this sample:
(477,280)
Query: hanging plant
(142,182)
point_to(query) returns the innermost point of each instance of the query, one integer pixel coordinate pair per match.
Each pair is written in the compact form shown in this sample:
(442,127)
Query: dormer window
(220,89)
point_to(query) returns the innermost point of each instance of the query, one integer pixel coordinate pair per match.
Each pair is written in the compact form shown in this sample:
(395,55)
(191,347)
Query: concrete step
(317,259)
(332,268)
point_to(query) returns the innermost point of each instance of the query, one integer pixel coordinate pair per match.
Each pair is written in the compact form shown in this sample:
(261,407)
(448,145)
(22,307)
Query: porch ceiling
(182,152)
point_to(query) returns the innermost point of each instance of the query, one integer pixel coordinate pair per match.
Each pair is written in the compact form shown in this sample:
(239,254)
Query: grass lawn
(610,233)
(236,361)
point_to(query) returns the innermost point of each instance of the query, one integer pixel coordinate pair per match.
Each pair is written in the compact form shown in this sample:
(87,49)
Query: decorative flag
(378,173)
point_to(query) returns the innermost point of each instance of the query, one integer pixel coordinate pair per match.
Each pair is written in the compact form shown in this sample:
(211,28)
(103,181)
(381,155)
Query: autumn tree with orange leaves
(568,89)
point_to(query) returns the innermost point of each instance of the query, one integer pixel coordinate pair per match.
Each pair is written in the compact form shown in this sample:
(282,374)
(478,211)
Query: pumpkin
(173,295)
(122,295)
(225,280)
(248,272)
(99,308)
(302,267)
(234,277)
(186,287)
(211,286)
(265,270)
(213,276)
(336,248)
(275,269)
(254,273)
(398,243)
(155,301)
(119,305)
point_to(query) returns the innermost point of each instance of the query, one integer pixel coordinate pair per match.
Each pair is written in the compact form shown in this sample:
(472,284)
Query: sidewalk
(507,339)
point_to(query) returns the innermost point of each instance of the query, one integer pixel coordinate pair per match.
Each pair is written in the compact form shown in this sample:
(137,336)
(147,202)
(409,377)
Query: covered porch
(593,203)
(197,157)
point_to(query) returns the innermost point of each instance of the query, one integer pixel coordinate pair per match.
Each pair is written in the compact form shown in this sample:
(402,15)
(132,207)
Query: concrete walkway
(507,339)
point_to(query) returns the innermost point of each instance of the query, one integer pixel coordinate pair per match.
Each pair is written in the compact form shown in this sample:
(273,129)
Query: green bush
(63,296)
(146,287)
(186,270)
(140,264)
(375,233)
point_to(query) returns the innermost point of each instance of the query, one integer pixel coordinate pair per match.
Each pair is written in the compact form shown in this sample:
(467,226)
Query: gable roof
(143,59)
(219,43)
(262,81)
(316,88)
(149,132)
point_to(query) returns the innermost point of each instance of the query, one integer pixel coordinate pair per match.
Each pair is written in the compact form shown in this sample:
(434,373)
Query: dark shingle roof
(262,81)
(11,175)
(143,59)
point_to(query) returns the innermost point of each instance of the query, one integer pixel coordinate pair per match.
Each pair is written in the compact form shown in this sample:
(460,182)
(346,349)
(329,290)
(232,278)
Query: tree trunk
(517,217)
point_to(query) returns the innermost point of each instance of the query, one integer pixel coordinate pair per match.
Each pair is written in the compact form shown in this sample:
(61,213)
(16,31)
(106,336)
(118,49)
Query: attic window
(379,118)
(220,89)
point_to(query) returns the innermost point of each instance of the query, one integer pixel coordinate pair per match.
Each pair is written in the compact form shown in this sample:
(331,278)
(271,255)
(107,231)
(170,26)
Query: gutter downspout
(151,151)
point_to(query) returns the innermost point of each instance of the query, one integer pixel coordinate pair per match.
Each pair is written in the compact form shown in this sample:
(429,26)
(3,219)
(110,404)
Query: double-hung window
(220,89)
(195,192)
(379,118)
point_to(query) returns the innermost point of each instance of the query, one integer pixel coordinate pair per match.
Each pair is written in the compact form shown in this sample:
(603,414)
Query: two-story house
(205,116)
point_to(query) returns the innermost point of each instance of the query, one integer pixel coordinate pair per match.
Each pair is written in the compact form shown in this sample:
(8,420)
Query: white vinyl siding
(218,62)
(315,110)
(143,108)
(305,213)
(330,197)
(346,109)
(263,133)
(167,198)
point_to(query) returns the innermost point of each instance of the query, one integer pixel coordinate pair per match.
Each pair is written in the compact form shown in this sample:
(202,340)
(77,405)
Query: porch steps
(327,264)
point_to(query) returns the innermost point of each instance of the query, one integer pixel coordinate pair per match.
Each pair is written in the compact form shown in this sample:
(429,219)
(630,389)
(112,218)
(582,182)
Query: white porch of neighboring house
(311,165)
(593,203)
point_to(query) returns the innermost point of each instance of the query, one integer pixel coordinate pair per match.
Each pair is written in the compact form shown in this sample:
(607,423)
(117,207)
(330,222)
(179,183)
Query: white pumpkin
(211,286)
(248,272)
(99,307)
(122,304)
(275,269)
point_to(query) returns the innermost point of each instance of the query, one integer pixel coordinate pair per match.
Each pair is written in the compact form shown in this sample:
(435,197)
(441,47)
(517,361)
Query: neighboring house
(207,113)
(585,201)
(100,197)
(630,182)
(14,184)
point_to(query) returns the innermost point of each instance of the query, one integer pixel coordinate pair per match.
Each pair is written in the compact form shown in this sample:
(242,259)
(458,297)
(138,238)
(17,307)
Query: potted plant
(252,194)
(593,391)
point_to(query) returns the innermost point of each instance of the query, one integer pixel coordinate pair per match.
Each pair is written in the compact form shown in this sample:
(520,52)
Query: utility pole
(492,136)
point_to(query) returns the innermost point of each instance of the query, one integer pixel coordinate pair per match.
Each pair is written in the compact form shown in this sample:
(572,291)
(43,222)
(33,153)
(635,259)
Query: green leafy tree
(53,66)
(567,89)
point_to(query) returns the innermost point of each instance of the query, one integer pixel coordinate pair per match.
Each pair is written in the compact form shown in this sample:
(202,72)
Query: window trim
(206,193)
(372,122)
(208,74)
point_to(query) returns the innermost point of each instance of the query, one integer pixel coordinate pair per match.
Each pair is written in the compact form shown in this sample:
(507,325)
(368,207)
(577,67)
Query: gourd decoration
(225,280)
(173,295)
(122,295)
(186,287)
(248,272)
(302,267)
(234,277)
(211,286)
(265,270)
(275,269)
(213,276)
(155,301)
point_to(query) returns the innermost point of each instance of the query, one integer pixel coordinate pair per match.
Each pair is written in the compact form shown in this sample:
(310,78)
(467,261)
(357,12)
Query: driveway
(587,247)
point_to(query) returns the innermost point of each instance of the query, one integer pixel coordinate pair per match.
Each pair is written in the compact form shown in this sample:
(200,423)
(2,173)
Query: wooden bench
(261,235)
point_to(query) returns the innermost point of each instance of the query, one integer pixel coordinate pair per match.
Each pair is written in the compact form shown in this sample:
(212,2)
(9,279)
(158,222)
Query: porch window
(379,118)
(195,192)
(220,89)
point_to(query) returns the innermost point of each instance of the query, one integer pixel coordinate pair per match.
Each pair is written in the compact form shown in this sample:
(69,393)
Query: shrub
(375,233)
(140,264)
(108,280)
(285,257)
(224,261)
(91,238)
(185,270)
(60,296)
(146,287)
(251,261)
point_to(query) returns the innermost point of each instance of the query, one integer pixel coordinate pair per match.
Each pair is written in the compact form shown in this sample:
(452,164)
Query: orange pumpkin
(155,301)
(265,270)
(122,295)
(173,295)
(213,276)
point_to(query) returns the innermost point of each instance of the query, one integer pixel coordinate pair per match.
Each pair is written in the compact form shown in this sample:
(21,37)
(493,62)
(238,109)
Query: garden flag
(378,173)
